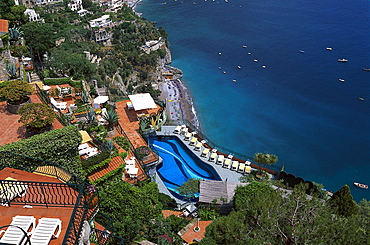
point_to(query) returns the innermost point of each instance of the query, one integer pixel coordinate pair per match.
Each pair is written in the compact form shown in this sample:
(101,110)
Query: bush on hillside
(59,146)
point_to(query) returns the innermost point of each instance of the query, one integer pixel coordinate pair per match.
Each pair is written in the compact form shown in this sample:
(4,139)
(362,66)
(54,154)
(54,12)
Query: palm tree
(111,117)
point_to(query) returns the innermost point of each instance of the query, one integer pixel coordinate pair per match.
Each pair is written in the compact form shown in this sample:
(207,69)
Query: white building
(82,12)
(101,22)
(152,45)
(75,5)
(33,16)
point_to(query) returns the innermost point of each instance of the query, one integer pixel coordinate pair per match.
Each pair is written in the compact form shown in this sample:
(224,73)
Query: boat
(249,53)
(363,186)
(234,80)
(362,99)
(239,67)
(341,80)
(255,60)
(366,69)
(302,51)
(264,67)
(342,60)
(329,48)
(245,46)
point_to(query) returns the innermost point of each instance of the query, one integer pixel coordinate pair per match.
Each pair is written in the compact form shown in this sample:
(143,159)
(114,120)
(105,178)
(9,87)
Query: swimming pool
(179,163)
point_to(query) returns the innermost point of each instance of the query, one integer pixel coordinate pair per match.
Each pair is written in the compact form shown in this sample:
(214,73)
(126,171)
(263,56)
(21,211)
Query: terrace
(50,191)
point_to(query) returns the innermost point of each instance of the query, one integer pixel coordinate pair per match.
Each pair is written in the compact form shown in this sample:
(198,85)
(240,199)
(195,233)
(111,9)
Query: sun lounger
(198,146)
(83,146)
(235,165)
(247,169)
(13,234)
(184,131)
(45,230)
(241,168)
(213,157)
(177,130)
(59,105)
(220,159)
(193,141)
(205,152)
(247,163)
(187,136)
(227,163)
(13,190)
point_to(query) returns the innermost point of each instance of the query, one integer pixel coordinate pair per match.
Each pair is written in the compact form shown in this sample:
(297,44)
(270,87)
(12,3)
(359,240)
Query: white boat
(341,80)
(329,48)
(363,186)
(342,60)
(255,60)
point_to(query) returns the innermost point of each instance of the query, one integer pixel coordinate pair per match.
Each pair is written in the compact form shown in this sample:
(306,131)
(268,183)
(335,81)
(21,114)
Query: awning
(142,101)
(85,136)
(101,99)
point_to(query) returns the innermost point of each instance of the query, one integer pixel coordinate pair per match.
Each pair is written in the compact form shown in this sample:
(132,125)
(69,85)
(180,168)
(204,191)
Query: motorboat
(341,80)
(366,69)
(302,51)
(239,67)
(234,80)
(245,46)
(255,60)
(329,48)
(363,186)
(362,99)
(342,60)
(264,67)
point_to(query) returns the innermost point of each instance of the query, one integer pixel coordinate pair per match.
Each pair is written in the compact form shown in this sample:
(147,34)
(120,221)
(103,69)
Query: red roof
(4,25)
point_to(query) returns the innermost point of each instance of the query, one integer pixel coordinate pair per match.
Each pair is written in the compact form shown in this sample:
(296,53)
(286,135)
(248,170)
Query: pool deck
(224,173)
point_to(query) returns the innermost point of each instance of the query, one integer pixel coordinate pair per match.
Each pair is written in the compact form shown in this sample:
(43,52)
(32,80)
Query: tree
(189,189)
(16,92)
(15,14)
(342,202)
(36,116)
(265,159)
(39,36)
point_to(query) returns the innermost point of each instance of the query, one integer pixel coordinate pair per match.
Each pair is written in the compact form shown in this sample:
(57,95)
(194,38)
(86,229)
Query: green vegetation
(189,189)
(16,92)
(263,215)
(265,159)
(59,146)
(122,142)
(36,116)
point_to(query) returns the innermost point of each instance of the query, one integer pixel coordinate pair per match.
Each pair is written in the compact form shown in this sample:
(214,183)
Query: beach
(179,103)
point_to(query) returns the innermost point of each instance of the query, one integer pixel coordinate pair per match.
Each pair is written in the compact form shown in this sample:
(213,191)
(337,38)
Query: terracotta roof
(4,25)
(167,213)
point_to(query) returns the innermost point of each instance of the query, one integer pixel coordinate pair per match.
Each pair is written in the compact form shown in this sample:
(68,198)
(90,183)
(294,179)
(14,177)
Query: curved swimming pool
(179,163)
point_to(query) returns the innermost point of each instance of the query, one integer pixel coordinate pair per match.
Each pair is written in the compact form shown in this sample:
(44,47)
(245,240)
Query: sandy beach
(179,104)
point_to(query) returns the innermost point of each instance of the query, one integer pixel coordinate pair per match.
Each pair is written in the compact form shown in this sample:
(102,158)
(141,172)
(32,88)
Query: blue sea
(295,107)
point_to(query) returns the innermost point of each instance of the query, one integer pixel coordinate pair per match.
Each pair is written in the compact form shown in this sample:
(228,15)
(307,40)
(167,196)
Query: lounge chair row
(219,159)
(39,234)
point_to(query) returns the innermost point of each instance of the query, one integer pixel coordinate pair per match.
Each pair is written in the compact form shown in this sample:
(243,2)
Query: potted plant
(91,196)
(142,152)
(36,117)
(16,94)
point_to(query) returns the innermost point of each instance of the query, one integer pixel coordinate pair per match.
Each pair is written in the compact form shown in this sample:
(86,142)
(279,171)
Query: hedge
(57,81)
(59,146)
(91,161)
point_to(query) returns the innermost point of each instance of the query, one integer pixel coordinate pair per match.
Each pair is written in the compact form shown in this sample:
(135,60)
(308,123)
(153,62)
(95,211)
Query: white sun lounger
(205,153)
(193,141)
(177,130)
(45,230)
(247,169)
(227,163)
(241,168)
(220,159)
(213,157)
(184,131)
(14,235)
(187,136)
(198,146)
(235,165)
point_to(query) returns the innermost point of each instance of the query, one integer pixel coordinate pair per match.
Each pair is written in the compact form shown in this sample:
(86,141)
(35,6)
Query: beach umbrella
(101,99)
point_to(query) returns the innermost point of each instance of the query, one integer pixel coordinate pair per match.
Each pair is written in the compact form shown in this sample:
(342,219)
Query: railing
(105,237)
(201,135)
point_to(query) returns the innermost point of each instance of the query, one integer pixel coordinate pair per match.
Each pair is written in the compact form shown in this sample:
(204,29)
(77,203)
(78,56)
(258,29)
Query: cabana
(142,101)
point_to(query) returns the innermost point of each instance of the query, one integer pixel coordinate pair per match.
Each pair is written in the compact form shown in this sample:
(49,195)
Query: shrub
(122,142)
(57,81)
(90,162)
(36,116)
(16,92)
(142,152)
(59,146)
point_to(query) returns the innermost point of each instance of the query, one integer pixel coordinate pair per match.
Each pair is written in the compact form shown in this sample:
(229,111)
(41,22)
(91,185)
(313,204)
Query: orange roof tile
(4,25)
(167,213)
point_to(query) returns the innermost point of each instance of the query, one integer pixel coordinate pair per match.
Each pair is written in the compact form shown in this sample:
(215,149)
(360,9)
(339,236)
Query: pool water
(179,163)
